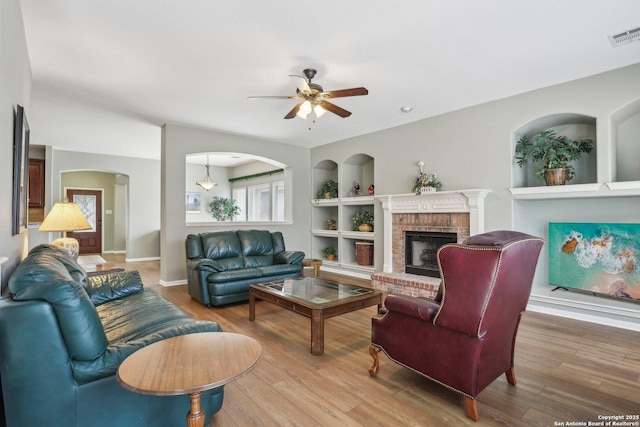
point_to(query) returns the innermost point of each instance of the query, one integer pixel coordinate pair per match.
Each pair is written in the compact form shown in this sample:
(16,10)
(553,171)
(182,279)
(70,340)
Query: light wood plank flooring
(567,371)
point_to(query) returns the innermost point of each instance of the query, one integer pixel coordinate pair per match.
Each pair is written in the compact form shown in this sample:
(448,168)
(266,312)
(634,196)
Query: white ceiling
(108,74)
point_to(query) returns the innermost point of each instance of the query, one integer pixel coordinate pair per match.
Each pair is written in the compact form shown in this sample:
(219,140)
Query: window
(240,196)
(277,212)
(259,206)
(260,202)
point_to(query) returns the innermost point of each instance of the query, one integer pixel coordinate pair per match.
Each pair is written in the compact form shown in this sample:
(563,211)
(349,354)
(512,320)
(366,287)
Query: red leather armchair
(465,338)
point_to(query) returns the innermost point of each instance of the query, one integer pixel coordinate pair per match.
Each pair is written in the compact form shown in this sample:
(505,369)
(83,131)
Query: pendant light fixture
(206,182)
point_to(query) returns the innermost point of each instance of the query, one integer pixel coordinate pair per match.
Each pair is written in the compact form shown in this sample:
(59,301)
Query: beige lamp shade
(66,216)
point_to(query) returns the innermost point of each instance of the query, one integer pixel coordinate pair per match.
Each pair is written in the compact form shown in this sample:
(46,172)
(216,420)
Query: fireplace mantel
(460,201)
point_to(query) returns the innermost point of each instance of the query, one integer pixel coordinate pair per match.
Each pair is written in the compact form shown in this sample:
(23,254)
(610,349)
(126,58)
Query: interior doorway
(90,203)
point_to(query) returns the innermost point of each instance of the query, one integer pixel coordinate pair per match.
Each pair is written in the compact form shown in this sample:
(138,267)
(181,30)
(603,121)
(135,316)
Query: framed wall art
(194,201)
(20,171)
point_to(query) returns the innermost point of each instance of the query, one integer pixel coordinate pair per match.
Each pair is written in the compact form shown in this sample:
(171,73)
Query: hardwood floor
(567,371)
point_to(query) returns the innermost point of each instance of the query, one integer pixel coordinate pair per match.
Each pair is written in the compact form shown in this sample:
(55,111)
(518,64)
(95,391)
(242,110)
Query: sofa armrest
(204,264)
(420,308)
(107,287)
(288,257)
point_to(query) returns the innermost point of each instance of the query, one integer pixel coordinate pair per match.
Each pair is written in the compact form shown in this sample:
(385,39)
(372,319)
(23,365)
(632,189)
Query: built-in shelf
(325,202)
(609,189)
(358,168)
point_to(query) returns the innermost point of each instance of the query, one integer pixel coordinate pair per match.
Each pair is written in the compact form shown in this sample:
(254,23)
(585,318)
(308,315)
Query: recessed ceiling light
(406,109)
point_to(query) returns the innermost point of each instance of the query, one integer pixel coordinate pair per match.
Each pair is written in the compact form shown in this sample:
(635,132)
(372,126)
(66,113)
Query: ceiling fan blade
(356,91)
(293,112)
(334,109)
(273,97)
(301,83)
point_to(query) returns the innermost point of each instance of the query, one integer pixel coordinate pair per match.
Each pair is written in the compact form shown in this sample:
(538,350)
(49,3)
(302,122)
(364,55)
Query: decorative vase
(327,195)
(555,176)
(365,227)
(427,189)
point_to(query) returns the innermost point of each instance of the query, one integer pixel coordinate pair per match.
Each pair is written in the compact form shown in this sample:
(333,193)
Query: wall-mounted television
(599,258)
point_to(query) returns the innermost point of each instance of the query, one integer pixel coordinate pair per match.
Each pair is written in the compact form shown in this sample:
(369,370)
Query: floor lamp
(66,216)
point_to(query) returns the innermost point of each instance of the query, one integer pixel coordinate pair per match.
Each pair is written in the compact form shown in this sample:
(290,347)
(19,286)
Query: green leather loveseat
(63,337)
(221,265)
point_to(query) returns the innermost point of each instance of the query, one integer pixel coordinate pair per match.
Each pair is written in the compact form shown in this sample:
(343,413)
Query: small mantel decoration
(425,182)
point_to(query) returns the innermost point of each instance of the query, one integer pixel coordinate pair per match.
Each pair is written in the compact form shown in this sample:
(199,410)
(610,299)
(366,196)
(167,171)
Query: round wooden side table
(189,364)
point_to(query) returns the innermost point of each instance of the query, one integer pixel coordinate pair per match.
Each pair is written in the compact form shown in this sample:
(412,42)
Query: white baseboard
(114,252)
(345,272)
(173,283)
(142,259)
(558,307)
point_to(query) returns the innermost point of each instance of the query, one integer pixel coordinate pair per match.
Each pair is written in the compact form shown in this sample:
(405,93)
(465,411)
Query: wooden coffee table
(315,298)
(189,364)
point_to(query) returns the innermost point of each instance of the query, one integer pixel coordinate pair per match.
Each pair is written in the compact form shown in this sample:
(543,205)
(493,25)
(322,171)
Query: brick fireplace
(460,212)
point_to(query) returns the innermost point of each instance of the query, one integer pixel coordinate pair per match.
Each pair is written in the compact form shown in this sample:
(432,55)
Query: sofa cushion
(193,247)
(257,247)
(278,242)
(77,316)
(132,323)
(74,269)
(107,287)
(223,245)
(231,275)
(43,275)
(275,270)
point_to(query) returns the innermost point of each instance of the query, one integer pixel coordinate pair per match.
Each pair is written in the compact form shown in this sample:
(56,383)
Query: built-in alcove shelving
(625,137)
(620,177)
(359,168)
(574,126)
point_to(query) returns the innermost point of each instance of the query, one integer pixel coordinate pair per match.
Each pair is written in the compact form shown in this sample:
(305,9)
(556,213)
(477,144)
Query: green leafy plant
(329,187)
(362,217)
(330,250)
(551,151)
(223,209)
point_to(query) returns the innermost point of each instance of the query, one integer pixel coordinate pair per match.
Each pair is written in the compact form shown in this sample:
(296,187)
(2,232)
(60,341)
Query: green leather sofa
(63,336)
(221,265)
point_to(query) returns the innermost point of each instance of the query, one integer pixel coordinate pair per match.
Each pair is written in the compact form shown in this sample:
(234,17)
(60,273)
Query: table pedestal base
(195,417)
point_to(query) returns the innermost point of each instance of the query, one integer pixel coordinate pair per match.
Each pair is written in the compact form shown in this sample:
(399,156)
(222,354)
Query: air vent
(625,37)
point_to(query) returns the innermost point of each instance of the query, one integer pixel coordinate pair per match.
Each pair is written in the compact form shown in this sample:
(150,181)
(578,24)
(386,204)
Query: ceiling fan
(314,98)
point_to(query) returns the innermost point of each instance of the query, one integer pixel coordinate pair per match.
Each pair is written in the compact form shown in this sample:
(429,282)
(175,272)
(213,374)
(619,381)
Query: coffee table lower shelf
(316,312)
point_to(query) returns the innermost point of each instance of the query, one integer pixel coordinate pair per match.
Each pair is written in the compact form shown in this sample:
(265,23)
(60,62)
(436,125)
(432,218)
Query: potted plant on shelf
(330,252)
(363,221)
(552,155)
(223,209)
(329,190)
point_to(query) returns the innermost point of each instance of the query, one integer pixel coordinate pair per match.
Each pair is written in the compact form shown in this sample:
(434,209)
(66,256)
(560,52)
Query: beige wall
(473,148)
(177,142)
(15,88)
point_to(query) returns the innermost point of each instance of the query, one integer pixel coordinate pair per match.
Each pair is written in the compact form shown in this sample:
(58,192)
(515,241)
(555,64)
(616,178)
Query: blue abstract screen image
(595,257)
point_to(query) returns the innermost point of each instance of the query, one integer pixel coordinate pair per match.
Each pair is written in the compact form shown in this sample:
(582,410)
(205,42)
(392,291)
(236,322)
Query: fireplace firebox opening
(421,248)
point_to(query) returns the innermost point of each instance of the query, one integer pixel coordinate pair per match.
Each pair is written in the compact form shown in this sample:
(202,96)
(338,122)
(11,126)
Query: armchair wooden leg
(375,368)
(511,376)
(472,408)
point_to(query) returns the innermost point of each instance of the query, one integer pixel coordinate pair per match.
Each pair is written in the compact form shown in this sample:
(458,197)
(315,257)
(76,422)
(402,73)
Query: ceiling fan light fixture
(206,182)
(318,110)
(304,110)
